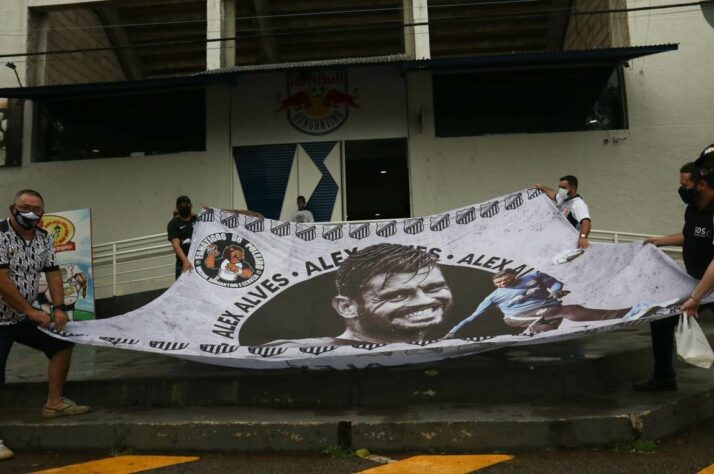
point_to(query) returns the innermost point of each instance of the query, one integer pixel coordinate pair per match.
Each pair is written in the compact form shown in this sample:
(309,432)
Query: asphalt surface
(687,453)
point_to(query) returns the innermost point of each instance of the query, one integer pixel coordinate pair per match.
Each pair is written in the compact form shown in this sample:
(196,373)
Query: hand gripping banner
(272,294)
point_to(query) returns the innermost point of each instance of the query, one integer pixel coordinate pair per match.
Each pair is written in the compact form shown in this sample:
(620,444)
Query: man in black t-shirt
(179,231)
(697,241)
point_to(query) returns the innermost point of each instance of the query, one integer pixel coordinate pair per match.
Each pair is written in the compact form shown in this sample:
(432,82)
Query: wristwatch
(583,236)
(61,307)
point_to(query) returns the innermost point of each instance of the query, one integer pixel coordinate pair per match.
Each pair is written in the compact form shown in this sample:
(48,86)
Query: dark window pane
(529,101)
(122,125)
(377,179)
(10,131)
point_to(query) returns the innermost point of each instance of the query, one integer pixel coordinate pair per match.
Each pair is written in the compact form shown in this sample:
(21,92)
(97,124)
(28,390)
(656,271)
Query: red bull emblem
(317,103)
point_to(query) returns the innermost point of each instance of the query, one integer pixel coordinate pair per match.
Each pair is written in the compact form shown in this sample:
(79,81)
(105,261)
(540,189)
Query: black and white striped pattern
(359,231)
(439,223)
(115,341)
(387,229)
(281,229)
(231,221)
(414,226)
(168,346)
(423,343)
(465,216)
(368,346)
(206,216)
(305,232)
(332,232)
(534,193)
(489,209)
(218,348)
(267,351)
(513,201)
(317,350)
(255,224)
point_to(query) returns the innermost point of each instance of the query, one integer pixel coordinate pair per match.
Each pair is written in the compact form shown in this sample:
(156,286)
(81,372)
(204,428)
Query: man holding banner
(533,301)
(387,293)
(25,252)
(697,191)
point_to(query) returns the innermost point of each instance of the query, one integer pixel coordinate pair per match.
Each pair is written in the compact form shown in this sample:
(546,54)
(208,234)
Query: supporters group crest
(228,260)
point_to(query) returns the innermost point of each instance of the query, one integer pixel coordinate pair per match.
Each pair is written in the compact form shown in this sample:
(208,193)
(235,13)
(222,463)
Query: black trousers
(662,332)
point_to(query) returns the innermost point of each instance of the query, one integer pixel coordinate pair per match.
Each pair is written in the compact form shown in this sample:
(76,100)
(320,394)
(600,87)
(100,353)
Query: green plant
(339,452)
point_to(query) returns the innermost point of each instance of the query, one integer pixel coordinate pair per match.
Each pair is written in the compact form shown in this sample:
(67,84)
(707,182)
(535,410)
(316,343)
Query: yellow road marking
(707,470)
(119,465)
(460,464)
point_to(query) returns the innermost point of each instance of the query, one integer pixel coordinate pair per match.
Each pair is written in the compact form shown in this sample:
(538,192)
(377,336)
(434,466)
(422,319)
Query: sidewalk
(575,393)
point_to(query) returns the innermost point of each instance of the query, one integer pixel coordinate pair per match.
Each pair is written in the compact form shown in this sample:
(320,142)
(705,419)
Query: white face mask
(562,194)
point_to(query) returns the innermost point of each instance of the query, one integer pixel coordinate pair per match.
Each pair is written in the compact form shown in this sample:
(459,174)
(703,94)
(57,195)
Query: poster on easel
(71,232)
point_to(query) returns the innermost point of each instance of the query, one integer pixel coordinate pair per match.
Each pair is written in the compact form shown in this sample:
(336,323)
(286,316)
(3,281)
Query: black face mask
(184,211)
(26,220)
(687,194)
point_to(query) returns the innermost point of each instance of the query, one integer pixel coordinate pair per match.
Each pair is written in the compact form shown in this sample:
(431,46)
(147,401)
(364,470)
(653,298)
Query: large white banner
(273,294)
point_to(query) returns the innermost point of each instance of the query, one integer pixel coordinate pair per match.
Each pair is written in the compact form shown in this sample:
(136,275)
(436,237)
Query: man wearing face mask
(572,205)
(26,251)
(696,189)
(179,231)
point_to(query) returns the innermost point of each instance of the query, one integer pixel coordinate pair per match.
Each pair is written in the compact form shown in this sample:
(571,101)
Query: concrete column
(220,23)
(416,38)
(36,69)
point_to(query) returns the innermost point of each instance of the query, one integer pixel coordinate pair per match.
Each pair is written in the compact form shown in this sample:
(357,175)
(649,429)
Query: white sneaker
(5,452)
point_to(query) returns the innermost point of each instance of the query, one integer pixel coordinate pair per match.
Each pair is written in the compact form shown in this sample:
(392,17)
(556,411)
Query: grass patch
(639,446)
(337,452)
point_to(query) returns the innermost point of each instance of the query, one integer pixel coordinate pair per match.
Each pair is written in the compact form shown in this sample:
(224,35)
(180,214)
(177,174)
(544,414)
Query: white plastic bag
(692,345)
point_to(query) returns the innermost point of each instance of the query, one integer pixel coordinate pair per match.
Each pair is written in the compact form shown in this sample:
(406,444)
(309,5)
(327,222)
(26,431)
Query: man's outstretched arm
(485,304)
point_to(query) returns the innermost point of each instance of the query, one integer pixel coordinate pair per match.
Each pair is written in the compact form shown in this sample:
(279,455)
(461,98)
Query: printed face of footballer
(505,281)
(405,302)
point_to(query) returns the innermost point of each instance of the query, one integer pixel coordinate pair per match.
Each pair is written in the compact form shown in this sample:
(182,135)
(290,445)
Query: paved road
(686,453)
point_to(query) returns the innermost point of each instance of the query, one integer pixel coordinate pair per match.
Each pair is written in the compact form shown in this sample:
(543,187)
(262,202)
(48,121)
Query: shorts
(27,333)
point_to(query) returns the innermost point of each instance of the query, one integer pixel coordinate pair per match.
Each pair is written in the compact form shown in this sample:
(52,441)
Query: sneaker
(656,385)
(66,407)
(5,452)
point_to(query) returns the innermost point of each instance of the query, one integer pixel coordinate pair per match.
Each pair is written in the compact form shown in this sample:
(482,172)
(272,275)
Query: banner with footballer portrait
(273,294)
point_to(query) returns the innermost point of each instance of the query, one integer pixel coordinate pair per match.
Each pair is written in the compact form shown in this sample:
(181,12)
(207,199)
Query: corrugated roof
(228,75)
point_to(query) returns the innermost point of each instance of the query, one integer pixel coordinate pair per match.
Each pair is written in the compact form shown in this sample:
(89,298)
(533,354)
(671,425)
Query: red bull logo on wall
(317,103)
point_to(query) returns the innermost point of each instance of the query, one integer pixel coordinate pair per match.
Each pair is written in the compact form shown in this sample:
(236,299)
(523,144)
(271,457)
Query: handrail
(120,267)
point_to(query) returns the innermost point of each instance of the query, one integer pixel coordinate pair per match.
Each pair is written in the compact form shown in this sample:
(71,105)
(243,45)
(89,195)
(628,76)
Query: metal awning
(590,57)
(593,57)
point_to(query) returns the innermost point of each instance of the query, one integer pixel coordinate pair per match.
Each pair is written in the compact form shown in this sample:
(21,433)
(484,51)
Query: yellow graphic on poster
(71,232)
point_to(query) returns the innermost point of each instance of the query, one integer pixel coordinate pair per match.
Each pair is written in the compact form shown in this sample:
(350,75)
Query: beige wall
(13,21)
(131,197)
(631,182)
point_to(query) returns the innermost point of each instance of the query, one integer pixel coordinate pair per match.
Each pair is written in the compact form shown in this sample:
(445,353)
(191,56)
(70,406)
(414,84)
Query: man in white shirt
(302,215)
(572,205)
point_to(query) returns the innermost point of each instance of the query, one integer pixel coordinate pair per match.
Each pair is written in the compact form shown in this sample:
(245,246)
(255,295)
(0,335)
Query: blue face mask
(687,194)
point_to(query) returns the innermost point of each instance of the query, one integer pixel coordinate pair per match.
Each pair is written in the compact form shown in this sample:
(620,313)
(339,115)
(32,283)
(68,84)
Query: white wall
(630,185)
(379,95)
(13,23)
(131,197)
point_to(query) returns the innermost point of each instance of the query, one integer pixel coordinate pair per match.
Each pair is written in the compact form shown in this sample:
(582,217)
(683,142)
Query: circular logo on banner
(228,260)
(60,228)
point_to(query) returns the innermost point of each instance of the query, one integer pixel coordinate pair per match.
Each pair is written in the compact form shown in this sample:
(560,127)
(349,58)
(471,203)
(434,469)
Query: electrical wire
(357,27)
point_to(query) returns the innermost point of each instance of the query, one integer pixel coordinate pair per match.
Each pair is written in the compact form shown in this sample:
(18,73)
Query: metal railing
(147,263)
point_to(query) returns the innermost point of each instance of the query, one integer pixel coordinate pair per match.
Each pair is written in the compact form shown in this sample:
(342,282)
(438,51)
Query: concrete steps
(564,394)
(596,420)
